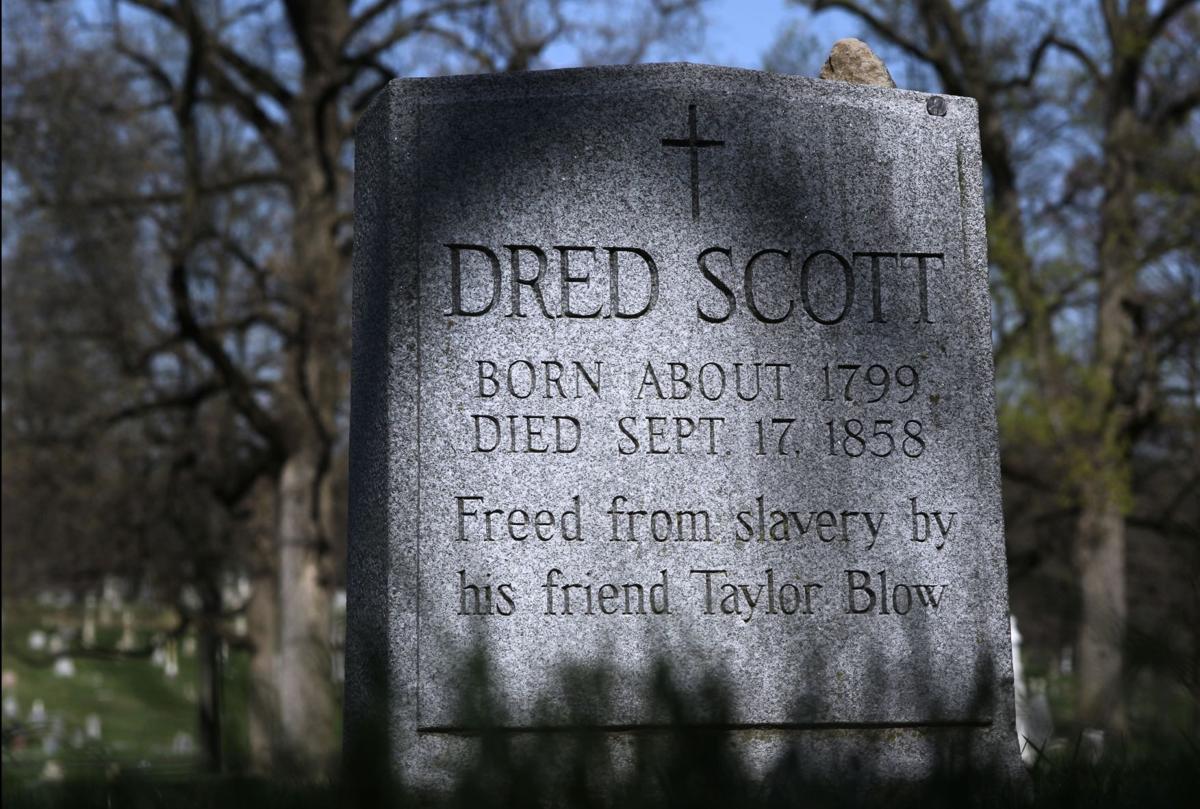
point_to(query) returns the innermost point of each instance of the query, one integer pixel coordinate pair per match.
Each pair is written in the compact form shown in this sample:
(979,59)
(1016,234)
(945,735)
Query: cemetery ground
(103,710)
(141,751)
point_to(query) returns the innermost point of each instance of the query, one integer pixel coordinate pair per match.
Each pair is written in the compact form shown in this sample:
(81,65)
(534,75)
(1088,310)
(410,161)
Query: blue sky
(741,31)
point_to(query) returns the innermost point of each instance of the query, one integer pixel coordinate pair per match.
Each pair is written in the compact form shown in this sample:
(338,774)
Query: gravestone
(683,366)
(127,640)
(88,634)
(92,727)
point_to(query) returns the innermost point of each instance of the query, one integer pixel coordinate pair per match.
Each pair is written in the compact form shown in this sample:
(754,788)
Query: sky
(741,31)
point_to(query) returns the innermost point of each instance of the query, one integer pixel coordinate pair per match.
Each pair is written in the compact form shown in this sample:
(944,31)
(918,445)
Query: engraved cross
(694,144)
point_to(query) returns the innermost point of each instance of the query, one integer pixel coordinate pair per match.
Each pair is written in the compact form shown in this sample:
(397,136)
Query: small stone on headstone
(852,60)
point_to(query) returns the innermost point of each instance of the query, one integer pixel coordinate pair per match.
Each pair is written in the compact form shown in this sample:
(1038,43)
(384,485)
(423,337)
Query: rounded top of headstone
(852,60)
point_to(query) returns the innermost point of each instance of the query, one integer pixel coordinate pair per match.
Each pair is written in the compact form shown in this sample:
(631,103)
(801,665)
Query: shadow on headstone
(688,753)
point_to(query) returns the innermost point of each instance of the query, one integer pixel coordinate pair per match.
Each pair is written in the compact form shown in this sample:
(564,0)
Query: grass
(140,708)
(1168,779)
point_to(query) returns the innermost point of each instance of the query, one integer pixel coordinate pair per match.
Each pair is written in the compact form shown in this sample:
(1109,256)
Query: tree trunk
(1100,540)
(1100,562)
(307,708)
(262,622)
(211,682)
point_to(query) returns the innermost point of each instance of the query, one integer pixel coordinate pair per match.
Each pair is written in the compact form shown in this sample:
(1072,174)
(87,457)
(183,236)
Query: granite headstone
(676,365)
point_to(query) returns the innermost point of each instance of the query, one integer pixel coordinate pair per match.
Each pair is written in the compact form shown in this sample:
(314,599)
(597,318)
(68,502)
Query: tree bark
(1100,539)
(262,621)
(211,682)
(1100,560)
(307,708)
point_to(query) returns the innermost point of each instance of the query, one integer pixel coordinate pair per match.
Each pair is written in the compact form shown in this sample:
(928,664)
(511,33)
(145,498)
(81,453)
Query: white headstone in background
(127,640)
(92,727)
(88,634)
(1035,725)
(171,659)
(182,744)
